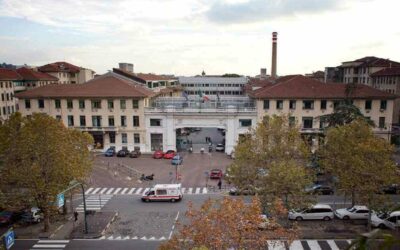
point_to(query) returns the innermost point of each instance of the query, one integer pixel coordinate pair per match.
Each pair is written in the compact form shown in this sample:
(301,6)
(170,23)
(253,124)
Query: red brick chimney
(274,51)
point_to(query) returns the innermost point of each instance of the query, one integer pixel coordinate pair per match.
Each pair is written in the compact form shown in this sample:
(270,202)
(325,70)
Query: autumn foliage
(229,223)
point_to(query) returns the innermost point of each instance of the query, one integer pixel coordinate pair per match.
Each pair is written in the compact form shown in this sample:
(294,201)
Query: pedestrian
(76,215)
(219,184)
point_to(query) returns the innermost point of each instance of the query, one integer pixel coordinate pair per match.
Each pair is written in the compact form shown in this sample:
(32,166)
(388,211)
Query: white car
(219,147)
(316,212)
(384,220)
(355,213)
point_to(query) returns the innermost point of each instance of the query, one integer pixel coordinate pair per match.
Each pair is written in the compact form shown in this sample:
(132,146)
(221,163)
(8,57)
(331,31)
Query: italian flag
(204,97)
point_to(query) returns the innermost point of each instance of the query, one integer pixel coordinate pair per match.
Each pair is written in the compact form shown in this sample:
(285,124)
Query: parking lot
(125,171)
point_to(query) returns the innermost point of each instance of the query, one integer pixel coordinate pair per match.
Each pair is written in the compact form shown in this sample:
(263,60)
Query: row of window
(7,110)
(124,138)
(206,92)
(307,122)
(6,84)
(309,104)
(7,97)
(197,85)
(97,121)
(96,104)
(385,79)
(356,70)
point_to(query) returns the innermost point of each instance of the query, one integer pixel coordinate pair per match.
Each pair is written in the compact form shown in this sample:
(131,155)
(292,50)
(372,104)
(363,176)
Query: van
(164,192)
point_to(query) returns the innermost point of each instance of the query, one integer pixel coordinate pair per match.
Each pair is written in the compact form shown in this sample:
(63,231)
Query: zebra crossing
(95,202)
(272,244)
(50,244)
(139,191)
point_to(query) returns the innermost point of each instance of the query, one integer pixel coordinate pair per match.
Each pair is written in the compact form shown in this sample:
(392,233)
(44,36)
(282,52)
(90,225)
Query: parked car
(32,216)
(216,174)
(232,155)
(158,154)
(169,154)
(242,191)
(320,189)
(9,217)
(110,152)
(220,148)
(135,153)
(385,220)
(355,212)
(316,212)
(177,160)
(391,189)
(123,152)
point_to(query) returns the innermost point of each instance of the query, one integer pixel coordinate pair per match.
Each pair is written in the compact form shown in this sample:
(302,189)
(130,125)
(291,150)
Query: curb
(109,223)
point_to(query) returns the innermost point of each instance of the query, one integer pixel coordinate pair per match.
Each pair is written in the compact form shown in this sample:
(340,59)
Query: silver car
(316,212)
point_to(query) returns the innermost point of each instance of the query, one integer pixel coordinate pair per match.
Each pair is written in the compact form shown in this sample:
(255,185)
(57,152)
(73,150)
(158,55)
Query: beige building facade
(68,73)
(7,100)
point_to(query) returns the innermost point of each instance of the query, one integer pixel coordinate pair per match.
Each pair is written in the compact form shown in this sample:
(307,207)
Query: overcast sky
(183,37)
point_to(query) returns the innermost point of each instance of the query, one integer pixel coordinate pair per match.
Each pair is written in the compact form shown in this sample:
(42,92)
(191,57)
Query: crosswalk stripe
(190,190)
(276,245)
(110,190)
(96,190)
(88,191)
(183,190)
(131,191)
(138,191)
(116,191)
(103,190)
(197,190)
(54,241)
(332,245)
(313,244)
(205,190)
(49,246)
(296,244)
(123,191)
(147,189)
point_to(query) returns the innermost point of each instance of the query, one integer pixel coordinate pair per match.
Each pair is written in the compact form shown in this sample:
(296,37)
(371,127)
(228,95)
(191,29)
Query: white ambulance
(164,192)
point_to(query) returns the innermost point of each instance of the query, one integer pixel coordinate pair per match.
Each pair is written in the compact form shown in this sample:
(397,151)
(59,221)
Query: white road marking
(54,241)
(313,244)
(204,190)
(48,246)
(198,190)
(332,244)
(277,245)
(110,190)
(116,191)
(138,191)
(296,244)
(131,191)
(190,190)
(183,190)
(88,191)
(123,191)
(147,189)
(96,190)
(126,238)
(103,190)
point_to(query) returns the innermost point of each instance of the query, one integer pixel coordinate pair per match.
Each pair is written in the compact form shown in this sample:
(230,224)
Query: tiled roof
(31,75)
(152,77)
(372,61)
(128,74)
(9,74)
(59,67)
(107,85)
(299,86)
(387,72)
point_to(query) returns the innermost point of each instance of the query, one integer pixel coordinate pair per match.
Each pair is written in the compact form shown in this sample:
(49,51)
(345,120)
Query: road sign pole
(84,208)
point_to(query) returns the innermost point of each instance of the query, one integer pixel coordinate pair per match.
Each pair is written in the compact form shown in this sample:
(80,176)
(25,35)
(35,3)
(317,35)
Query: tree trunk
(71,208)
(353,198)
(46,220)
(369,214)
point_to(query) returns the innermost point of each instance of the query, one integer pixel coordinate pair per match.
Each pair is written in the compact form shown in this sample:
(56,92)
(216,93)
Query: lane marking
(110,190)
(313,244)
(138,191)
(183,190)
(147,189)
(96,190)
(131,191)
(332,244)
(190,190)
(296,244)
(198,190)
(102,191)
(173,226)
(116,191)
(53,241)
(88,191)
(205,190)
(123,191)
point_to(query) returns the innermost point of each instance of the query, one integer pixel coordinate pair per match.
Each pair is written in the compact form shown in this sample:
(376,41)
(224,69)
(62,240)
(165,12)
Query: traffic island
(97,222)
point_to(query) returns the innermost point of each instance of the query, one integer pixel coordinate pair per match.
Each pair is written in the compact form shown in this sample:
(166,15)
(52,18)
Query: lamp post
(72,185)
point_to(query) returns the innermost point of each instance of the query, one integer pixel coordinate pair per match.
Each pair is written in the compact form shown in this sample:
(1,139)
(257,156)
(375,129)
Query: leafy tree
(229,223)
(270,151)
(344,114)
(40,157)
(361,161)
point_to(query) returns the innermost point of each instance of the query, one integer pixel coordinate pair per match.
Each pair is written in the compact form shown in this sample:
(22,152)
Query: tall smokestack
(274,49)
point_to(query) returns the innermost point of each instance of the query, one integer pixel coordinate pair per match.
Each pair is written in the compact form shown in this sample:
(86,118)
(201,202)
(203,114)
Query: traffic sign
(60,200)
(9,239)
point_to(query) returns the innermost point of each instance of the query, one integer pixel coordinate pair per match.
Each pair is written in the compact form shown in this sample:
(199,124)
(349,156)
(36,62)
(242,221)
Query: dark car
(216,174)
(320,189)
(242,191)
(8,217)
(391,189)
(110,152)
(158,154)
(123,152)
(135,153)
